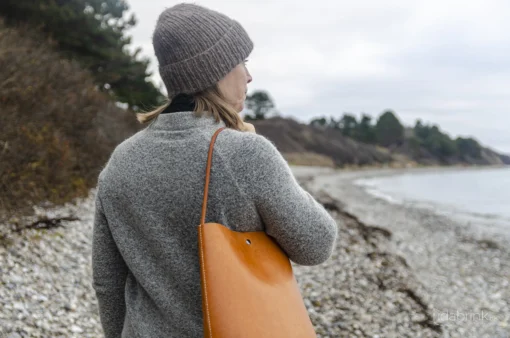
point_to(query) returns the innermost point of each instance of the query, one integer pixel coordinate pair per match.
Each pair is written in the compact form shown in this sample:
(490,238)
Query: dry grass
(56,130)
(309,159)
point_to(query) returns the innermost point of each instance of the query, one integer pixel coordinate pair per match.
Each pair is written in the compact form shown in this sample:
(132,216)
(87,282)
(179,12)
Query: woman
(145,247)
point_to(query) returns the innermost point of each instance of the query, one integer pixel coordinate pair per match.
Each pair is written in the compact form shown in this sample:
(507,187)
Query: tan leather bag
(248,287)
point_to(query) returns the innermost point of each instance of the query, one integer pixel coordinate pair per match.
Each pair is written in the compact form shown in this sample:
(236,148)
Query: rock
(70,307)
(76,329)
(16,278)
(18,306)
(14,335)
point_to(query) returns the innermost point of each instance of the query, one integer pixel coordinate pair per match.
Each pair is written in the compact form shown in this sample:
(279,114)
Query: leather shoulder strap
(207,175)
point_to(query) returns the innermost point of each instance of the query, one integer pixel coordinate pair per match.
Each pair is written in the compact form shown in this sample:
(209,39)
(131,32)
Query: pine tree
(388,129)
(92,32)
(261,104)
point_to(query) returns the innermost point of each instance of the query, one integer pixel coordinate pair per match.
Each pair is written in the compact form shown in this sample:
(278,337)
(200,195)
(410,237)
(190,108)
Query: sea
(480,196)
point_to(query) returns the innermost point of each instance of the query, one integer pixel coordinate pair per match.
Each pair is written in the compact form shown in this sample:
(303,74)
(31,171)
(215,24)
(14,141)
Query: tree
(468,147)
(319,122)
(365,131)
(93,33)
(421,131)
(434,140)
(261,105)
(388,129)
(348,125)
(333,123)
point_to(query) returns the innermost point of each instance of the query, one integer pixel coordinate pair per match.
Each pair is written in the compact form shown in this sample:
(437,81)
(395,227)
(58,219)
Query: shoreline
(461,270)
(475,223)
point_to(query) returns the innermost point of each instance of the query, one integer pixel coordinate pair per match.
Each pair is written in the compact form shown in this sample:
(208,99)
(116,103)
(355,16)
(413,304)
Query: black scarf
(181,102)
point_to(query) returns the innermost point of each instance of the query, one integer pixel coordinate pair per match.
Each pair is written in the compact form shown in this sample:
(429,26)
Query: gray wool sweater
(149,196)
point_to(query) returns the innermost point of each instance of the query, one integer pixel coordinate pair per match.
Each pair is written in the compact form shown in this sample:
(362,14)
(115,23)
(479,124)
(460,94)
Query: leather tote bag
(248,286)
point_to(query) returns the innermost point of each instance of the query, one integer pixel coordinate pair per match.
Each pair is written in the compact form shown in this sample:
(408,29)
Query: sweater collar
(185,120)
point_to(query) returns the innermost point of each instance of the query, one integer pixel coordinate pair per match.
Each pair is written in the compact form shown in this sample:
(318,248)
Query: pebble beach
(395,272)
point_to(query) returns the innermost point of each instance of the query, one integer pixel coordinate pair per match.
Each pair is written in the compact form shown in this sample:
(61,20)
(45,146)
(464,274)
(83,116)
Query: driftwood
(47,223)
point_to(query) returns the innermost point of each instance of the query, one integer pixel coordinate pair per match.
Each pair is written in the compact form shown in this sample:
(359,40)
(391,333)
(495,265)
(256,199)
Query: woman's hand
(248,127)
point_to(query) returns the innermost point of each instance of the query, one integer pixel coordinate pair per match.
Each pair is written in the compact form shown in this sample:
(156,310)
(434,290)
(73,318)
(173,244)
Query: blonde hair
(209,101)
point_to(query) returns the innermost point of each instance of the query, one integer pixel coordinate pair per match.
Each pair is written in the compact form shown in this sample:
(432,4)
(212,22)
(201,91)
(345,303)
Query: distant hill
(292,138)
(422,155)
(310,145)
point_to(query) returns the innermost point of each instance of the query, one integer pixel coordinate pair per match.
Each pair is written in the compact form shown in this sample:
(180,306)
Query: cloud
(445,61)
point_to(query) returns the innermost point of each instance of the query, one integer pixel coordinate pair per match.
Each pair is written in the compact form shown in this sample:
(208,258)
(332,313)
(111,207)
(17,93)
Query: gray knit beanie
(196,47)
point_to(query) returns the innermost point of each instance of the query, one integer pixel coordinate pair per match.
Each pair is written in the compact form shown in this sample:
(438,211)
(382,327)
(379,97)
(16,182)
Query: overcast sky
(444,61)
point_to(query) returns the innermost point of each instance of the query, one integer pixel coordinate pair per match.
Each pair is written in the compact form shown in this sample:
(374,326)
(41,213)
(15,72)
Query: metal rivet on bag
(248,241)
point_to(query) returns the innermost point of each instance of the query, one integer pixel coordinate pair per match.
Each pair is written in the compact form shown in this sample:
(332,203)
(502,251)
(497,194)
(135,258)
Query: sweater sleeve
(300,225)
(109,275)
